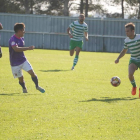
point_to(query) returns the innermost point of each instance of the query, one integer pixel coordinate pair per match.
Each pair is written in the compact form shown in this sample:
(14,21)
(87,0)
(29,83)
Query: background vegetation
(129,8)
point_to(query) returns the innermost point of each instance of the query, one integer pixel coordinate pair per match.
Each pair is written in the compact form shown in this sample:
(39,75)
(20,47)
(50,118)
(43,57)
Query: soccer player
(18,60)
(1,27)
(79,30)
(132,42)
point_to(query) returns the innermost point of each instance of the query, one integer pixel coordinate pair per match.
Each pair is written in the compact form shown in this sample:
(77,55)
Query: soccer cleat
(72,68)
(25,90)
(40,89)
(133,92)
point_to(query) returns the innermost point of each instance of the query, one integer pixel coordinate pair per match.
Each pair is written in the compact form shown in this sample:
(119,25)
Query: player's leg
(27,67)
(132,69)
(72,47)
(0,52)
(71,52)
(35,80)
(22,83)
(17,73)
(78,49)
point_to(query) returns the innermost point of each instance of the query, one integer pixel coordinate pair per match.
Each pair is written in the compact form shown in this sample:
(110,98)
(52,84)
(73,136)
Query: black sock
(23,85)
(35,80)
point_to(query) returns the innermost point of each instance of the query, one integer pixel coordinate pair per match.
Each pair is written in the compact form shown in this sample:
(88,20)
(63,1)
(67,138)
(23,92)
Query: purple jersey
(16,58)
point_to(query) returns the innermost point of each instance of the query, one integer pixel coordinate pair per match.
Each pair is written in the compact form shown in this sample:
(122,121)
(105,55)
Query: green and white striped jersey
(78,30)
(134,46)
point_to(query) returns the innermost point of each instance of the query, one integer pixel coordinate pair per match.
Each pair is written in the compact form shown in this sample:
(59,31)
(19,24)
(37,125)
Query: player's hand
(117,61)
(70,36)
(87,39)
(1,27)
(31,47)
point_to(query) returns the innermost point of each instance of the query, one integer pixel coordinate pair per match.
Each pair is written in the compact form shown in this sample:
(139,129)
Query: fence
(50,32)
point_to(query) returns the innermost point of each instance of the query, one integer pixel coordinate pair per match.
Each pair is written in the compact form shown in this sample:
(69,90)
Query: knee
(21,79)
(33,75)
(130,75)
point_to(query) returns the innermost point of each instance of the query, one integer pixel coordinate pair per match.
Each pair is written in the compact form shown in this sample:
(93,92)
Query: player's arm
(122,53)
(1,27)
(21,49)
(69,33)
(86,35)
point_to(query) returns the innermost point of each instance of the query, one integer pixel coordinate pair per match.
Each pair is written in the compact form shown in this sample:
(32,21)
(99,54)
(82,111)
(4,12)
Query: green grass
(77,105)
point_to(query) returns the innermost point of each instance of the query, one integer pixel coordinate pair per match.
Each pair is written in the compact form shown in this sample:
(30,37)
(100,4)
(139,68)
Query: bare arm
(69,33)
(122,53)
(1,27)
(21,49)
(86,35)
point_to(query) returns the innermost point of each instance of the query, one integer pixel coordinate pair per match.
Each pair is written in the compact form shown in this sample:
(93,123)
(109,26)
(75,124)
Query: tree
(119,2)
(59,7)
(136,4)
(86,9)
(97,7)
(122,4)
(8,6)
(66,8)
(55,6)
(88,5)
(28,5)
(81,6)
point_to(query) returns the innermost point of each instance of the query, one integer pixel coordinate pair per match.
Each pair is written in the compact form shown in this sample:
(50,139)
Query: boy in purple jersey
(1,27)
(18,60)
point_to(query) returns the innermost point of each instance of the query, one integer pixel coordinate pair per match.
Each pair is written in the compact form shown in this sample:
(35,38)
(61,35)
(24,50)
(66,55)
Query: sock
(75,60)
(133,83)
(35,80)
(23,85)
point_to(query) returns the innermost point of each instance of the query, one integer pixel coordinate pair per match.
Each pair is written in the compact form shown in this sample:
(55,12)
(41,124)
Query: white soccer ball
(115,81)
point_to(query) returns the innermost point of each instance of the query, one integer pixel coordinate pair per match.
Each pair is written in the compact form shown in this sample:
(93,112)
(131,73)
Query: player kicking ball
(79,30)
(132,42)
(18,60)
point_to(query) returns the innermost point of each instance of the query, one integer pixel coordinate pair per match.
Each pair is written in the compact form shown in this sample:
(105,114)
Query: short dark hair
(19,26)
(130,25)
(81,14)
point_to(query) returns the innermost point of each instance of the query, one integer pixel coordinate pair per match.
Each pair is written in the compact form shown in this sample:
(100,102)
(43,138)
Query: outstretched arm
(86,35)
(21,49)
(122,53)
(69,33)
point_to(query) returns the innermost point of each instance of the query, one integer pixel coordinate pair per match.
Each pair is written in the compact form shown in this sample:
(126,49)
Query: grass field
(77,105)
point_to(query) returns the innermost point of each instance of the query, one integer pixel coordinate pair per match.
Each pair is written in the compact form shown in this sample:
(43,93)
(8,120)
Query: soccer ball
(115,81)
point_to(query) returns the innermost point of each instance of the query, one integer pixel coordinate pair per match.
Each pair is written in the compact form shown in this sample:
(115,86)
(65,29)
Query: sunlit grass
(77,105)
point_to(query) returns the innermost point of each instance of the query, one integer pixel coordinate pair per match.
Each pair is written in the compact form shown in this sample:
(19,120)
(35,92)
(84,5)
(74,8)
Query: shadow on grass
(56,70)
(109,100)
(16,94)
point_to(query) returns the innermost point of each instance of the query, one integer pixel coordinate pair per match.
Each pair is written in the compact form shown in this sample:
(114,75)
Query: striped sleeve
(125,46)
(86,29)
(71,25)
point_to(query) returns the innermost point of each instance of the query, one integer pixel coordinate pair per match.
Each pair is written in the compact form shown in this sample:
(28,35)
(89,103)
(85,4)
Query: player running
(79,30)
(132,42)
(18,60)
(1,27)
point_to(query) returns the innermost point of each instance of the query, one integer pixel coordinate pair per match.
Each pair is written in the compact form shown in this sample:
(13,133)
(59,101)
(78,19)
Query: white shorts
(17,70)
